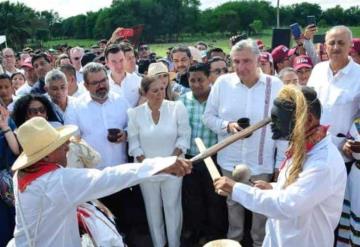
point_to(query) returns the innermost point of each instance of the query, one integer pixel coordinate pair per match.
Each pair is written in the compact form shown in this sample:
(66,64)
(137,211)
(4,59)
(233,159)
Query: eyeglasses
(219,70)
(96,83)
(34,111)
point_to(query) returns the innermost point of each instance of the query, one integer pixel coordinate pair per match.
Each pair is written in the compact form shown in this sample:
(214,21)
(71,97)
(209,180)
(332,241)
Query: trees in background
(164,20)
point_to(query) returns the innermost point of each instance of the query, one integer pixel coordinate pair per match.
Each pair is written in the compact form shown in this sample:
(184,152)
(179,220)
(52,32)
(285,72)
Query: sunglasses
(35,111)
(219,70)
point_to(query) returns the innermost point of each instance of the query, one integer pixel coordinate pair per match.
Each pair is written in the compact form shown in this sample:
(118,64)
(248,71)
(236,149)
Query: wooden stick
(229,140)
(210,165)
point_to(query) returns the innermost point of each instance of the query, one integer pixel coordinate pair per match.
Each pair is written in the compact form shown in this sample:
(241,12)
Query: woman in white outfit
(160,128)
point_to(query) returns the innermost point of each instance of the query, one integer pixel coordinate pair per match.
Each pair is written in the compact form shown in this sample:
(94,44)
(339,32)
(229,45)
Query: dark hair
(126,47)
(68,69)
(5,76)
(146,82)
(17,73)
(112,48)
(313,102)
(215,59)
(201,43)
(215,49)
(202,67)
(181,48)
(39,55)
(22,104)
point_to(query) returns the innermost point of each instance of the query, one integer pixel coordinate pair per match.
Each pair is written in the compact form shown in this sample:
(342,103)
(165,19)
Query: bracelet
(5,131)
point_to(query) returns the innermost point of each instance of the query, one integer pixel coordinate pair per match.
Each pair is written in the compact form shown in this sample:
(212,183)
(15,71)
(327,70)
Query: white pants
(164,193)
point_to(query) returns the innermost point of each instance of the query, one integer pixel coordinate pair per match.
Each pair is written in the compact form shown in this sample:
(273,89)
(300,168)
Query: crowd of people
(125,104)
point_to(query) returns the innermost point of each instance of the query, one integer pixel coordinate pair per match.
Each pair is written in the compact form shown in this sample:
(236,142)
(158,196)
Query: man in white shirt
(244,94)
(9,61)
(94,113)
(56,86)
(338,85)
(75,89)
(47,193)
(304,206)
(76,54)
(121,82)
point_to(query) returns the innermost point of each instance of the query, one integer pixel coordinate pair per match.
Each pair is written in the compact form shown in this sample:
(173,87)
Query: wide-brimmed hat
(38,139)
(157,68)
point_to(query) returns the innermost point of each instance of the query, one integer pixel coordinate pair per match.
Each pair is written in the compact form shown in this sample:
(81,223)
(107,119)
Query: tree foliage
(164,20)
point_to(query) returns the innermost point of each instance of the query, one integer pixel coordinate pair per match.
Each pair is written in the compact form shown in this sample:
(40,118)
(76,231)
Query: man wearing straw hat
(47,193)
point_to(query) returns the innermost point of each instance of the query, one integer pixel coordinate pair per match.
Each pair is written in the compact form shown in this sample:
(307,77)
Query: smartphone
(311,20)
(295,30)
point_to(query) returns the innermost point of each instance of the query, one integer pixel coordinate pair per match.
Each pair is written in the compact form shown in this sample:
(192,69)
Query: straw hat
(38,139)
(157,68)
(223,243)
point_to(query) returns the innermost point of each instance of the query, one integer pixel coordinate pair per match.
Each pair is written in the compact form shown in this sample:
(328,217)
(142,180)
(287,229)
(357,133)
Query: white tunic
(306,212)
(59,193)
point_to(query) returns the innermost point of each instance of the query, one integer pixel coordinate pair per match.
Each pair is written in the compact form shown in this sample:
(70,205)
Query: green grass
(214,40)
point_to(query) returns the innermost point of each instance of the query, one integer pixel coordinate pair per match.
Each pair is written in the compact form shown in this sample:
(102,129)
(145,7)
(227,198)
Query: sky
(67,8)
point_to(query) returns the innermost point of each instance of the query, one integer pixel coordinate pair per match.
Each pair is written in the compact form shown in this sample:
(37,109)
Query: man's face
(284,63)
(282,117)
(181,62)
(265,67)
(199,83)
(30,75)
(144,52)
(217,69)
(9,58)
(290,78)
(98,85)
(130,61)
(116,62)
(75,58)
(41,67)
(245,64)
(6,90)
(337,45)
(59,155)
(303,74)
(201,47)
(58,91)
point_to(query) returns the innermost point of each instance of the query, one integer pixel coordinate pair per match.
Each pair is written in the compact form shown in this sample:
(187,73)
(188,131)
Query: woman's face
(164,78)
(17,81)
(156,92)
(36,109)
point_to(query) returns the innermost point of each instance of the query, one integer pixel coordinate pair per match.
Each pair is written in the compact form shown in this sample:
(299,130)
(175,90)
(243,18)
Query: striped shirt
(198,129)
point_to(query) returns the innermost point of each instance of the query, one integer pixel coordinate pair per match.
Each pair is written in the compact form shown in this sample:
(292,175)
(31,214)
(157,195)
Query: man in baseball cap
(281,55)
(355,50)
(303,66)
(30,77)
(47,193)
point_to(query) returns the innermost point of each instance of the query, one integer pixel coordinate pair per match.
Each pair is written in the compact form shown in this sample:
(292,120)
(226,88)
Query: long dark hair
(21,106)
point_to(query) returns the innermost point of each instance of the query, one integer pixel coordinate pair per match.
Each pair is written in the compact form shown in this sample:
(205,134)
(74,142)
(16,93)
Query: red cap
(260,44)
(302,62)
(27,63)
(266,57)
(280,53)
(355,45)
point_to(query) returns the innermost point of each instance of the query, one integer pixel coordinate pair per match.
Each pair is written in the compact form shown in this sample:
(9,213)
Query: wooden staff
(210,165)
(229,140)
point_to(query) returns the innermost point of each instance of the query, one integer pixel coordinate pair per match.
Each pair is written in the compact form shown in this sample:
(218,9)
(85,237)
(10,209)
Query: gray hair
(338,28)
(76,48)
(92,67)
(285,71)
(246,44)
(54,75)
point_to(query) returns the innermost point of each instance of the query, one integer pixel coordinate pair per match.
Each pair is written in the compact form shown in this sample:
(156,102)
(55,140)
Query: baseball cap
(302,62)
(260,44)
(27,63)
(280,53)
(356,45)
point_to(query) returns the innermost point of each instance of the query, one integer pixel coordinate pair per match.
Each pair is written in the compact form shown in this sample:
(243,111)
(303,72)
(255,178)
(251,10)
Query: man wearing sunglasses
(76,54)
(218,67)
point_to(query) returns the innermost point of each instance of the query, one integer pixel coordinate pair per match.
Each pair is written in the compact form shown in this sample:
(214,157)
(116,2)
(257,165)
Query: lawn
(215,40)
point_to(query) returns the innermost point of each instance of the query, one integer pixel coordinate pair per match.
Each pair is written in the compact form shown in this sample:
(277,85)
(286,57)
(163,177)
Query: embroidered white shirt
(230,100)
